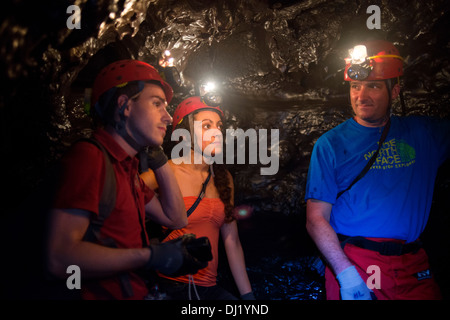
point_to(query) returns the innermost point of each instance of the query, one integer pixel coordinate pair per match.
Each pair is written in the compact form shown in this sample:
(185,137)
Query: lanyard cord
(371,160)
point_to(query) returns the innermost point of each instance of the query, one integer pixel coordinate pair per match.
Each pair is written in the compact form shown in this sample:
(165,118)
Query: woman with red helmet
(213,211)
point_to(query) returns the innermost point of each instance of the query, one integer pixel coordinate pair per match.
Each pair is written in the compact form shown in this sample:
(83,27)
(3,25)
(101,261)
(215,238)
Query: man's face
(148,117)
(370,102)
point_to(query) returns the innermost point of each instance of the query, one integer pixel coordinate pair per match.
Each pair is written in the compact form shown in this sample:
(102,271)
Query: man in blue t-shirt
(368,231)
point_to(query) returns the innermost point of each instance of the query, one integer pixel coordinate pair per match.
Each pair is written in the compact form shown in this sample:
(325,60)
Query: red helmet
(123,71)
(188,106)
(382,61)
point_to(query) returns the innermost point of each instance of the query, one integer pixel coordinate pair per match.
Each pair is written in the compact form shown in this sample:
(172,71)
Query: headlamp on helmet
(168,70)
(210,94)
(384,63)
(166,60)
(360,67)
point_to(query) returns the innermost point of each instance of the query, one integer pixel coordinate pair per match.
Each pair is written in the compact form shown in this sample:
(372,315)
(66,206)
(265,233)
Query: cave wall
(279,63)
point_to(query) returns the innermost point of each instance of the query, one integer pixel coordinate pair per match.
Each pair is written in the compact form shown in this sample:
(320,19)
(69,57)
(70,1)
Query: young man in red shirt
(130,100)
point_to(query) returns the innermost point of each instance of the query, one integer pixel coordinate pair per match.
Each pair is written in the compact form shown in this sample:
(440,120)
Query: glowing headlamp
(166,60)
(168,70)
(210,94)
(361,65)
(358,54)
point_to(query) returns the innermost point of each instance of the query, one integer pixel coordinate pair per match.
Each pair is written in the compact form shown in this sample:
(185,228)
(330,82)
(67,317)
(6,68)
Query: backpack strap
(105,207)
(107,199)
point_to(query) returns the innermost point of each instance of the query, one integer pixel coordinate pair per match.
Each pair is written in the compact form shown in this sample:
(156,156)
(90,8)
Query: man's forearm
(327,242)
(66,247)
(324,236)
(170,195)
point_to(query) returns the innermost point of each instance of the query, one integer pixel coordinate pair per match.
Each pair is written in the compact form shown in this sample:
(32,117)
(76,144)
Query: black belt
(386,248)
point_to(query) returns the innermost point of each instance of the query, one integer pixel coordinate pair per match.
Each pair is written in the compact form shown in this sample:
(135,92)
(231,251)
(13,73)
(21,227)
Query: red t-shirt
(82,181)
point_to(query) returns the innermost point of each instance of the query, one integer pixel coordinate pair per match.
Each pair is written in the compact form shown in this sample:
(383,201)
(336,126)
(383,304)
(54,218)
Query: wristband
(248,296)
(349,278)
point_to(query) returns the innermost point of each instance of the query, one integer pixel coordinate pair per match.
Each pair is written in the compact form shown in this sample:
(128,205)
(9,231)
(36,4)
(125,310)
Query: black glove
(156,157)
(181,256)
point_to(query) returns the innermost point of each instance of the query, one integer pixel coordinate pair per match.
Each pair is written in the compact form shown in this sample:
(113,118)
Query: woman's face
(208,134)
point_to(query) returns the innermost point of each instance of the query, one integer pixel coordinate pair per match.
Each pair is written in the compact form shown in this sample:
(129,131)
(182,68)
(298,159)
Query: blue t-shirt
(393,199)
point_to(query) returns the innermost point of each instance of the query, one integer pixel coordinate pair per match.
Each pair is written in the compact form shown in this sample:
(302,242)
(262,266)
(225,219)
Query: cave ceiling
(279,64)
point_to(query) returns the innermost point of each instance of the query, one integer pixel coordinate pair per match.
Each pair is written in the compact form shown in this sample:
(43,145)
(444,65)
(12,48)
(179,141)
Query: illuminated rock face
(279,63)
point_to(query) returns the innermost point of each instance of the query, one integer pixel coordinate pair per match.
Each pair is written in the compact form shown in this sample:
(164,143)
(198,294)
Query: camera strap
(201,195)
(194,205)
(371,160)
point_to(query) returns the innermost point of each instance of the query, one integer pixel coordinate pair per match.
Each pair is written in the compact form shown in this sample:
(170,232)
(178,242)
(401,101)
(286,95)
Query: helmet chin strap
(390,85)
(121,129)
(191,131)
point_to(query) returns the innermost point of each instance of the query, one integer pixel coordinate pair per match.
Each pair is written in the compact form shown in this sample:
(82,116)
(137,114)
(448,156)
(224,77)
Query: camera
(200,248)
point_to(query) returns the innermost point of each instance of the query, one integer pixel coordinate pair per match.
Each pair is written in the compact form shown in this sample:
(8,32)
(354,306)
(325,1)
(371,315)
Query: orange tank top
(205,221)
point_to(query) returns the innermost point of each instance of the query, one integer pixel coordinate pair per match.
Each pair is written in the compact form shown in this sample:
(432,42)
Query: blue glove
(353,286)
